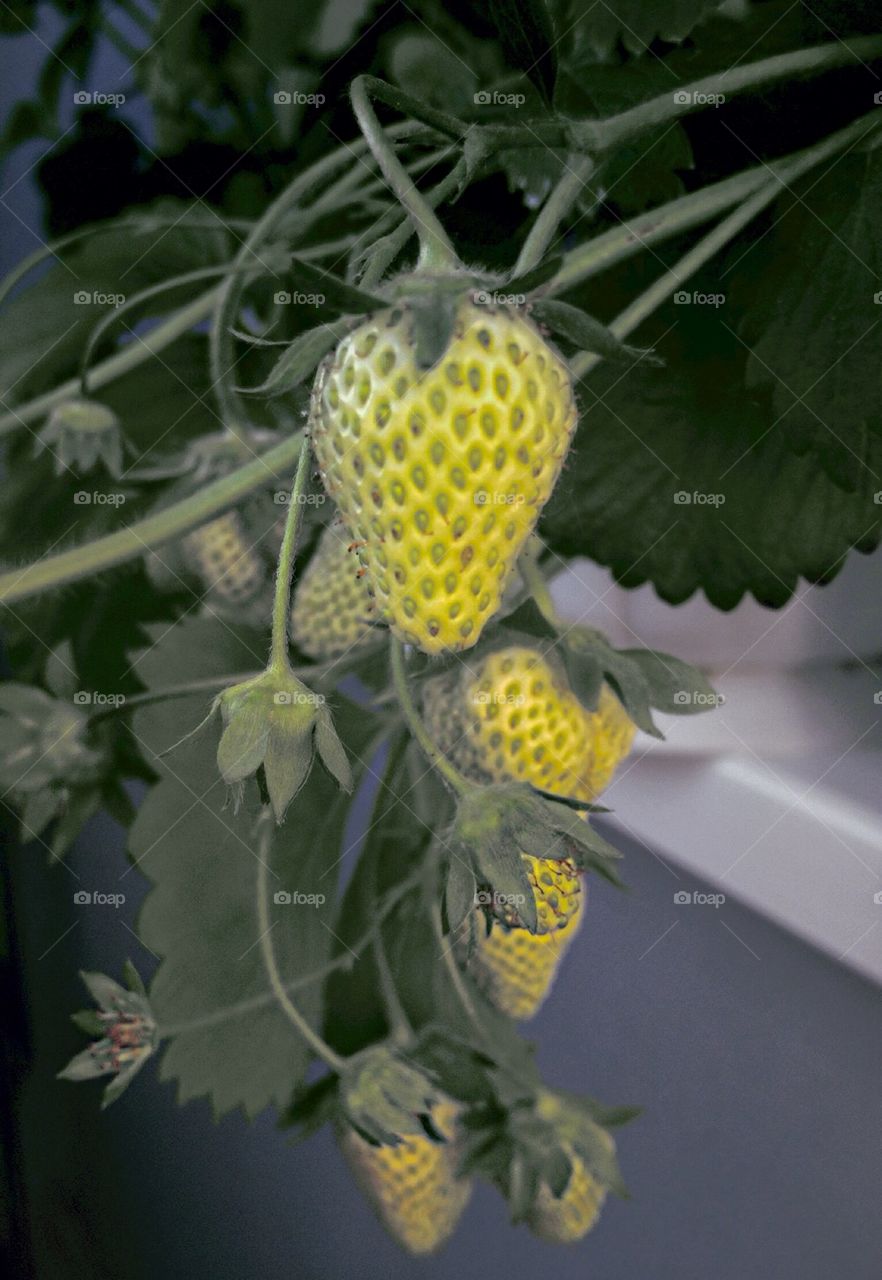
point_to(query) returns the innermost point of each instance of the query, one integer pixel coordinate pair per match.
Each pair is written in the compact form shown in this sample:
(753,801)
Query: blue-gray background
(756,1059)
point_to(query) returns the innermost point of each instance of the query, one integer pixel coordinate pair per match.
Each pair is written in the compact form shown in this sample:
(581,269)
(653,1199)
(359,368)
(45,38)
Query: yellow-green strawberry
(413,1186)
(513,717)
(566,1218)
(332,606)
(441,474)
(514,967)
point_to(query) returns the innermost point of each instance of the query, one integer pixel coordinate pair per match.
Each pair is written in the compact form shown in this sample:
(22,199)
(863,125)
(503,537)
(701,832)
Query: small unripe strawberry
(332,605)
(561,1220)
(413,1186)
(220,556)
(440,474)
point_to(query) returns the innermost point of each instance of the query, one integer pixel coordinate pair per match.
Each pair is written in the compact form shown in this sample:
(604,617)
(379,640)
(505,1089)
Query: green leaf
(298,361)
(815,337)
(87,1020)
(336,293)
(229,1040)
(459,894)
(286,767)
(677,477)
(586,333)
(635,23)
(526,33)
(331,750)
(423,65)
(674,686)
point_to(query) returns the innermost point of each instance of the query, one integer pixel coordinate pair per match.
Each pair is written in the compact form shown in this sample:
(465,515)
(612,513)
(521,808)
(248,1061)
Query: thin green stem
(415,724)
(115,366)
(690,211)
(152,531)
(736,80)
(555,209)
(265,926)
(386,250)
(279,660)
(454,972)
(400,1027)
(436,251)
(534,581)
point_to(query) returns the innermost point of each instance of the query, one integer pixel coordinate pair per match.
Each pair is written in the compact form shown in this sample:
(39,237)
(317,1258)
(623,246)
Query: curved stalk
(415,724)
(279,660)
(319,1046)
(436,251)
(152,531)
(694,97)
(386,250)
(555,209)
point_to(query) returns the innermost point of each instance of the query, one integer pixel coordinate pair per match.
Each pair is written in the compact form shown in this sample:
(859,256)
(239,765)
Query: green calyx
(494,825)
(44,741)
(274,722)
(81,433)
(385,1097)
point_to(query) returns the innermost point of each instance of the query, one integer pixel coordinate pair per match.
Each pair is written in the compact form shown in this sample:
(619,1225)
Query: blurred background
(748,1027)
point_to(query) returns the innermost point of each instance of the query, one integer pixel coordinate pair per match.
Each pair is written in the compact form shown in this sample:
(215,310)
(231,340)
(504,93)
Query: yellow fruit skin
(413,1187)
(521,722)
(332,605)
(515,968)
(440,475)
(569,1218)
(218,553)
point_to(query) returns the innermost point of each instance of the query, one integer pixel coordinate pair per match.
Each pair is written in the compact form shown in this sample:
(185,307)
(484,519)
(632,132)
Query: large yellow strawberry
(440,474)
(332,605)
(413,1186)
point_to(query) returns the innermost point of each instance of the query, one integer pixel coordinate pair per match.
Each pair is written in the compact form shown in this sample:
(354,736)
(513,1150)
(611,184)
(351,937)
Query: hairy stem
(415,724)
(436,251)
(319,1046)
(279,660)
(555,209)
(386,250)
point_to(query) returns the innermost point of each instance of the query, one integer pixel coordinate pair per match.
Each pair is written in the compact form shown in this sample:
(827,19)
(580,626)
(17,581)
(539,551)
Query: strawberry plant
(291,460)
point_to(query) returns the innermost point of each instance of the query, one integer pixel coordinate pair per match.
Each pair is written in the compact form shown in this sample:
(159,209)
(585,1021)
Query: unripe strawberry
(413,1186)
(332,605)
(514,967)
(219,554)
(572,1215)
(441,474)
(513,717)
